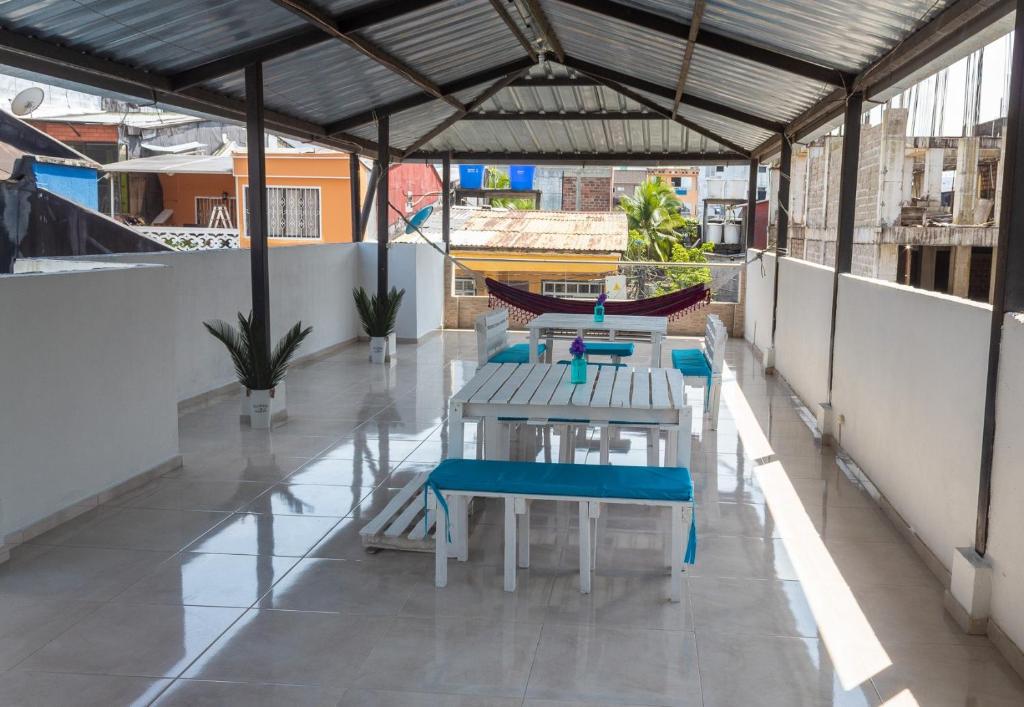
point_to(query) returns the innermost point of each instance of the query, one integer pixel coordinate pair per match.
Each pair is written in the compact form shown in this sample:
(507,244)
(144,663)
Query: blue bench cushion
(517,353)
(586,480)
(610,348)
(691,362)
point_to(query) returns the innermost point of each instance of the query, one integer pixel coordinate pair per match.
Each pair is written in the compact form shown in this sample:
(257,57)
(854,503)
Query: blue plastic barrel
(521,176)
(471,176)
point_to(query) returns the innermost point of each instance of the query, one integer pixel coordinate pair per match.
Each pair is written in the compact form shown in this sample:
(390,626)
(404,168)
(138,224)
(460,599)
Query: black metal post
(446,203)
(257,211)
(371,190)
(847,212)
(751,201)
(781,224)
(1009,271)
(383,161)
(354,189)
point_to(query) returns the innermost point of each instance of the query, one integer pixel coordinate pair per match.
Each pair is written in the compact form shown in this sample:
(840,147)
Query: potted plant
(578,366)
(378,318)
(260,377)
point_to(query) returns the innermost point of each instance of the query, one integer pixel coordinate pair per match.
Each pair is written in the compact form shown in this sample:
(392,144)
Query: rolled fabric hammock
(523,305)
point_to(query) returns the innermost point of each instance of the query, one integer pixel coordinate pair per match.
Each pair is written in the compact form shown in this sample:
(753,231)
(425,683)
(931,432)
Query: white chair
(706,364)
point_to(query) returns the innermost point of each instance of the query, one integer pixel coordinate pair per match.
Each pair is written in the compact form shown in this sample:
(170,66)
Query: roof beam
(951,28)
(579,159)
(664,112)
(553,81)
(294,41)
(326,24)
(503,13)
(458,115)
(600,72)
(566,115)
(691,42)
(544,27)
(418,99)
(680,30)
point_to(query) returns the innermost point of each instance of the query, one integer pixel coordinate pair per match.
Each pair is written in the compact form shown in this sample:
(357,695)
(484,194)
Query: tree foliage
(498,179)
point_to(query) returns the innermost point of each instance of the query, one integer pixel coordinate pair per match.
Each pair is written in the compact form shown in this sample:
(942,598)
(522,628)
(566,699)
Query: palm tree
(499,179)
(655,224)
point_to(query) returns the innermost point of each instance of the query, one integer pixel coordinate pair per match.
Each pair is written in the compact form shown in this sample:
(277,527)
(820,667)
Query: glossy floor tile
(241,577)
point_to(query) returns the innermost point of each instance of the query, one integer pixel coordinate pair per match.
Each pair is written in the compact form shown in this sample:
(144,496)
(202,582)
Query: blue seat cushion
(581,480)
(517,353)
(610,348)
(693,362)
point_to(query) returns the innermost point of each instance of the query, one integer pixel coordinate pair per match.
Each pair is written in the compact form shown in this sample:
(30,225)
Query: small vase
(578,371)
(599,313)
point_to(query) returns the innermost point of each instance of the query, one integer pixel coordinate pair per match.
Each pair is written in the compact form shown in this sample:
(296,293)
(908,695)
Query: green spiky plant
(253,369)
(378,317)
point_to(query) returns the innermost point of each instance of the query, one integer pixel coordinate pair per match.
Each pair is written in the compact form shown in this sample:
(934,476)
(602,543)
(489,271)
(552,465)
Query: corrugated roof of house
(536,231)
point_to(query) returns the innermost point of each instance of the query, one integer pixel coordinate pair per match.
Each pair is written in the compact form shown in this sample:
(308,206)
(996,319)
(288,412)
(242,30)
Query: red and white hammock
(523,305)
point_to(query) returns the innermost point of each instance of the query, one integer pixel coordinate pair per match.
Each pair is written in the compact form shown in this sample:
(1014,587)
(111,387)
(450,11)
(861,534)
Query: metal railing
(585,279)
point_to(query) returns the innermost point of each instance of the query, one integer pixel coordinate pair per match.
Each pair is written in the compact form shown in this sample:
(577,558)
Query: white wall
(311,283)
(1006,519)
(757,303)
(910,382)
(88,395)
(417,268)
(802,332)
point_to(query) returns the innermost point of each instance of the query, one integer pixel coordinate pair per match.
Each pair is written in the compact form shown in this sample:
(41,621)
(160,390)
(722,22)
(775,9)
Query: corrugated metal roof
(538,231)
(174,164)
(452,39)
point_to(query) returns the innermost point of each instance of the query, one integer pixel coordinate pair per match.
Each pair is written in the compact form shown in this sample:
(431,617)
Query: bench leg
(652,446)
(606,436)
(716,399)
(585,547)
(677,554)
(510,544)
(441,545)
(523,512)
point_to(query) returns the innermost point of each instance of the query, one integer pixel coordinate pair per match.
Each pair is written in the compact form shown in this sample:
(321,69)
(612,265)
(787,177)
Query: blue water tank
(471,176)
(521,176)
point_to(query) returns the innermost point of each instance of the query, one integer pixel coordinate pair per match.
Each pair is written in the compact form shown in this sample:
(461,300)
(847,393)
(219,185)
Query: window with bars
(292,212)
(206,204)
(572,288)
(464,287)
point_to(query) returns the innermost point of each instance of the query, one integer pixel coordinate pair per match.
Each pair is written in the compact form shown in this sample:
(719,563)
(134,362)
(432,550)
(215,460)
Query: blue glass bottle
(578,371)
(599,313)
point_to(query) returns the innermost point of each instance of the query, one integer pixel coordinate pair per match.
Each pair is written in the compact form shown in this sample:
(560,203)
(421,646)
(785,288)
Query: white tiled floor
(240,578)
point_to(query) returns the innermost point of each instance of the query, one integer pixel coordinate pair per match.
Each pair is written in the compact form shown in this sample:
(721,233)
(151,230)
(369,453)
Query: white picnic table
(540,393)
(615,325)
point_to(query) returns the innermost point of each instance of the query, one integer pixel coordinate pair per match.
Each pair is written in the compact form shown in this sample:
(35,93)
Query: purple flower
(601,298)
(577,348)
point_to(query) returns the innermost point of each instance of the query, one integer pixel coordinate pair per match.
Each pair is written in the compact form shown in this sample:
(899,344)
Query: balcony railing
(191,238)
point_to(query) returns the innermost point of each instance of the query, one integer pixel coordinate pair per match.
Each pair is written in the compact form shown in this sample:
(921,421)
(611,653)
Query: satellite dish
(27,101)
(418,219)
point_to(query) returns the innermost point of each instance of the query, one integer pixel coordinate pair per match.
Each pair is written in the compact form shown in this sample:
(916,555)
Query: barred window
(465,287)
(572,288)
(292,212)
(206,204)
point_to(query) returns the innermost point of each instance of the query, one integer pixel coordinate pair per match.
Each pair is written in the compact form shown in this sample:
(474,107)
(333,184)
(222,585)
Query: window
(677,181)
(206,204)
(572,288)
(292,212)
(719,169)
(464,287)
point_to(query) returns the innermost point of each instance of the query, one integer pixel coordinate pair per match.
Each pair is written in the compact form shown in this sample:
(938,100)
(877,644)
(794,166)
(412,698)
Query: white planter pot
(378,349)
(278,410)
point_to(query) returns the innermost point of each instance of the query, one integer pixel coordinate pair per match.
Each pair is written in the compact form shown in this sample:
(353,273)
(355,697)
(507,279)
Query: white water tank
(714,232)
(732,233)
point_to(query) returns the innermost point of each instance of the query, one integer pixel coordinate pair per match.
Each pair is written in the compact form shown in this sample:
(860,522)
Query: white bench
(706,364)
(456,481)
(492,341)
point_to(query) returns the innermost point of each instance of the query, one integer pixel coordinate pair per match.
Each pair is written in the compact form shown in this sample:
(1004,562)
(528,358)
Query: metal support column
(383,161)
(446,202)
(847,212)
(751,201)
(781,224)
(354,189)
(257,211)
(1009,271)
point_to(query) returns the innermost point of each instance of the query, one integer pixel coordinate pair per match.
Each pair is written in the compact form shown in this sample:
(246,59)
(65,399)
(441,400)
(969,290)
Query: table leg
(492,440)
(677,554)
(523,511)
(510,544)
(456,431)
(534,340)
(585,547)
(683,450)
(656,350)
(550,349)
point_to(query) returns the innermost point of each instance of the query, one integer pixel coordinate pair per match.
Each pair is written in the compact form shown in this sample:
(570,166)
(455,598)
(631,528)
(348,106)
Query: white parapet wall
(757,304)
(1006,519)
(908,399)
(88,393)
(803,329)
(417,268)
(311,283)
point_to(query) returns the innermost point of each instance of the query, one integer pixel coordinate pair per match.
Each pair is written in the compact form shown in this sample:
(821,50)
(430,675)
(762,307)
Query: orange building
(684,183)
